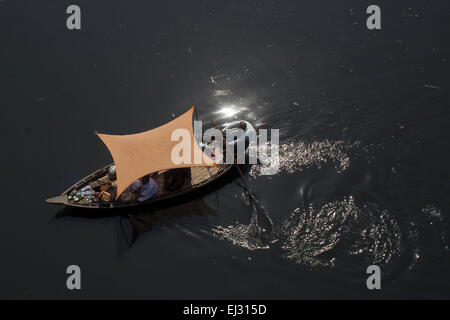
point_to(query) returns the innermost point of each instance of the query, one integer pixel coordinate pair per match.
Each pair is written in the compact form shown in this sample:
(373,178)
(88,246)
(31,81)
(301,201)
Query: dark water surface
(364,169)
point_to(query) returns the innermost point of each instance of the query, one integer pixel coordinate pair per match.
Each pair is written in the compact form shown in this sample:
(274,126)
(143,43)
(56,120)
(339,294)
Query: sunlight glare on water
(228,111)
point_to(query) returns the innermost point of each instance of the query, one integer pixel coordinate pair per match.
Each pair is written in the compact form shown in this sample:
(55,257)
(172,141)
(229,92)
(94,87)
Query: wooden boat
(201,178)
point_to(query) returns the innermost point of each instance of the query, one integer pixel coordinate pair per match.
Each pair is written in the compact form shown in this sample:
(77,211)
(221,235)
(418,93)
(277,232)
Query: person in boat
(144,188)
(141,190)
(112,174)
(175,179)
(247,129)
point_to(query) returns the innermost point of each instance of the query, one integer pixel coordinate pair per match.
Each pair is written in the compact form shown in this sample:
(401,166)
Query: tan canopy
(136,155)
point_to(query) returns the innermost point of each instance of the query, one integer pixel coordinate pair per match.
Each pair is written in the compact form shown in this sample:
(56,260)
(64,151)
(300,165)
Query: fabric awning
(136,155)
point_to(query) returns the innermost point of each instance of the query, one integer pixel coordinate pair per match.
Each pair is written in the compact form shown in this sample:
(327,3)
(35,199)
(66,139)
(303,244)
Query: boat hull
(226,174)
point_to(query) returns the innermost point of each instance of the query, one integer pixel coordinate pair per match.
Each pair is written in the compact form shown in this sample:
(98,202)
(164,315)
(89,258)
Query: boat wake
(294,156)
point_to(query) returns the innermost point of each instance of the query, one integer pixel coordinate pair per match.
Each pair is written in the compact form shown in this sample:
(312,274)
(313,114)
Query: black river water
(364,156)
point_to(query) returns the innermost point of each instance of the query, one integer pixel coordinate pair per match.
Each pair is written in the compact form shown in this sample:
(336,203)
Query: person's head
(112,173)
(242,125)
(145,179)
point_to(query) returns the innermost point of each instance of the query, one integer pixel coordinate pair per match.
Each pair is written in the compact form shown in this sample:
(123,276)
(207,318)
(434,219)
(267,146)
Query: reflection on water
(146,220)
(295,156)
(317,235)
(141,220)
(344,233)
(256,235)
(431,210)
(229,111)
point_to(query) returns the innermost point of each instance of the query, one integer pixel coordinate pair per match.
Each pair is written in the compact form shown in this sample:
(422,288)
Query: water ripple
(256,235)
(295,156)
